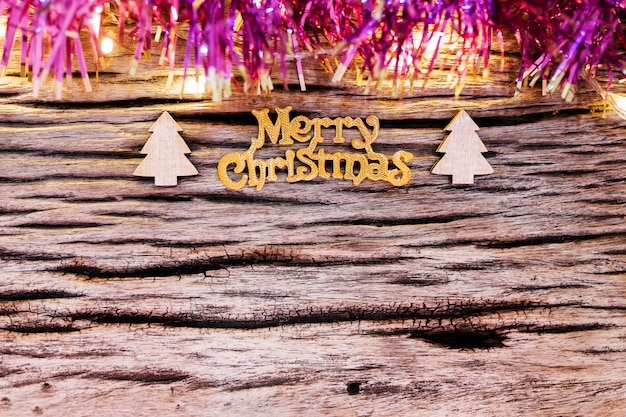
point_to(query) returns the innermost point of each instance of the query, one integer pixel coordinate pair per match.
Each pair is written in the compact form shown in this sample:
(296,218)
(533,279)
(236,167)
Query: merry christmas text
(237,169)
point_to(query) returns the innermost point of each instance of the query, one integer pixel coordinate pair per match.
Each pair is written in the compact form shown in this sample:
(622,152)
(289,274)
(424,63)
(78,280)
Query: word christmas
(235,170)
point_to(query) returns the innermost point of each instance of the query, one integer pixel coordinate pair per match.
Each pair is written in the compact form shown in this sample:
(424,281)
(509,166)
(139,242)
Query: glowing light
(195,86)
(106,45)
(616,101)
(204,49)
(3,26)
(96,20)
(190,86)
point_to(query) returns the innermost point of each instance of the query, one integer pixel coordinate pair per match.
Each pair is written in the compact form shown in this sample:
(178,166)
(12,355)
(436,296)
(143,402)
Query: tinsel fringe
(559,40)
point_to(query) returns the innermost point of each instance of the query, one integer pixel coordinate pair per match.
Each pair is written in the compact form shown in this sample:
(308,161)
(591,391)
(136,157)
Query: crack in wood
(419,281)
(531,288)
(62,225)
(470,335)
(145,375)
(17,210)
(564,328)
(497,265)
(550,239)
(269,256)
(267,381)
(454,324)
(391,222)
(41,328)
(463,337)
(312,314)
(37,294)
(103,104)
(564,173)
(611,272)
(10,255)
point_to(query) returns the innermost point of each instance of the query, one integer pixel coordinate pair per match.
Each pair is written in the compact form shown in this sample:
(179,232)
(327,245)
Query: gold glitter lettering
(306,164)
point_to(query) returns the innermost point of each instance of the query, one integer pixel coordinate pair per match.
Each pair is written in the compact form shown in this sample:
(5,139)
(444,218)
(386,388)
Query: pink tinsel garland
(559,39)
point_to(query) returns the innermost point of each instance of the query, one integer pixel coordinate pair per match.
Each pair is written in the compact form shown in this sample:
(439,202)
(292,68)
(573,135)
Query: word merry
(237,169)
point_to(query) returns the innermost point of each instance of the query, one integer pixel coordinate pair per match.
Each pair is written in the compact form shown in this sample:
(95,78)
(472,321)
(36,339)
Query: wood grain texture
(503,298)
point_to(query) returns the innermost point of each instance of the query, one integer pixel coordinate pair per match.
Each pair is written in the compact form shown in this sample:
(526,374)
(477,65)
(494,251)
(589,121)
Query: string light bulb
(106,45)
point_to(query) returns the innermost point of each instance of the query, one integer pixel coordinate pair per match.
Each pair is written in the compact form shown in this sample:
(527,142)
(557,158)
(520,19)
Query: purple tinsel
(558,39)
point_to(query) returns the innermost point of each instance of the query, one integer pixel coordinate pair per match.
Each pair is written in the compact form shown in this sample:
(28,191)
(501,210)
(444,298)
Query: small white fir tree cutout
(165,154)
(462,150)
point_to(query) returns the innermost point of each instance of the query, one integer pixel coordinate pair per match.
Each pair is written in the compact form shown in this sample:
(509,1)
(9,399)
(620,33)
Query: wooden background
(505,298)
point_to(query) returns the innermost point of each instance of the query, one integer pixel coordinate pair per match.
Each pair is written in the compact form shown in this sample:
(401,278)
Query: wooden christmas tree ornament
(463,151)
(165,150)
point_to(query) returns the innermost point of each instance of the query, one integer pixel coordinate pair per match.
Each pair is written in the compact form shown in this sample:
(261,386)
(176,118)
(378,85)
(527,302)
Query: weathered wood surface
(504,298)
